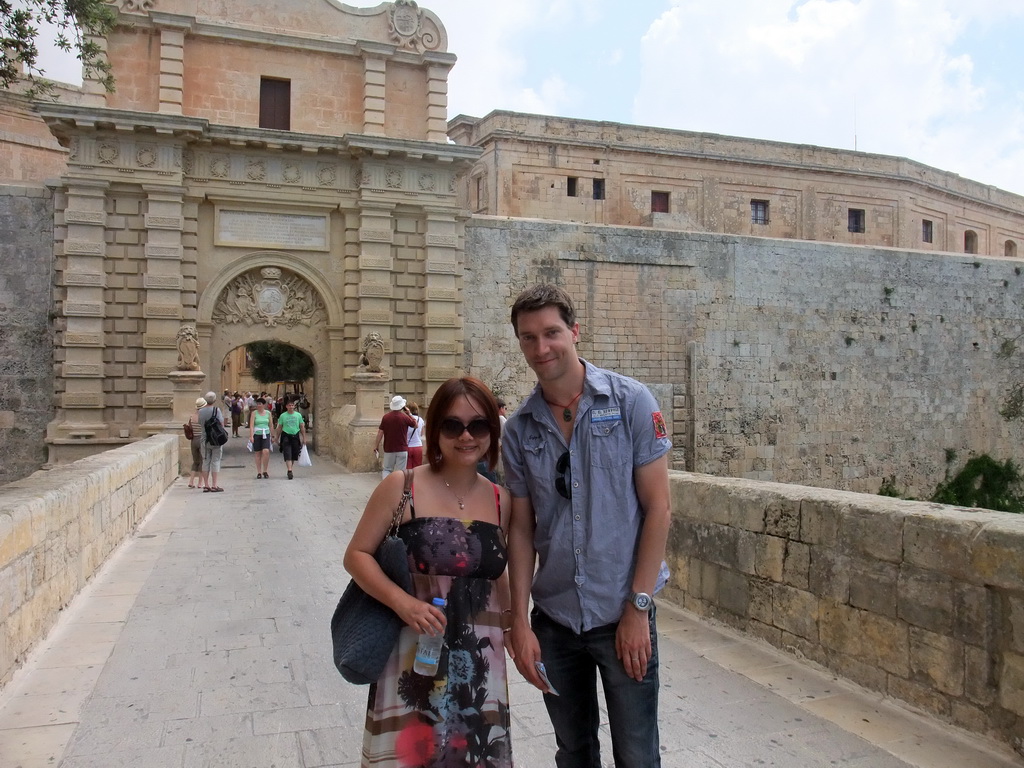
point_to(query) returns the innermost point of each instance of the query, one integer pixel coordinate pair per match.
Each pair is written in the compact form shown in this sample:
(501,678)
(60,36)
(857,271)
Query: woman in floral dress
(454,531)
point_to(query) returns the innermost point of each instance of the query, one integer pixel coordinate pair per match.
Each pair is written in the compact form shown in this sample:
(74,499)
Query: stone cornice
(66,121)
(356,48)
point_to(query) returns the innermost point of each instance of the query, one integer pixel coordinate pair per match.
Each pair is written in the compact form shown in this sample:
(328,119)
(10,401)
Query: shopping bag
(249,446)
(304,458)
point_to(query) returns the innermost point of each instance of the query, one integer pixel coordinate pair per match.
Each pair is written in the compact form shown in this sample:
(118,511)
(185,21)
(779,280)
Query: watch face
(642,601)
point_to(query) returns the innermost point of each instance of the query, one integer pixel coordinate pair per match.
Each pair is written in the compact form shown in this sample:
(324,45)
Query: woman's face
(464,449)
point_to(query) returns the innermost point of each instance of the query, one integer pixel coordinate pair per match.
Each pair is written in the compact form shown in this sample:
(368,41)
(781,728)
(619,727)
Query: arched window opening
(970,241)
(1010,249)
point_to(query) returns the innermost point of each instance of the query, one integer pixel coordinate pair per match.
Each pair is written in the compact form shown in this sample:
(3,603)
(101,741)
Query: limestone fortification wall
(26,337)
(921,602)
(58,527)
(787,361)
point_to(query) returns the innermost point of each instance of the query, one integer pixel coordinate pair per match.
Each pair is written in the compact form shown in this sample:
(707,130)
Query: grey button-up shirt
(587,546)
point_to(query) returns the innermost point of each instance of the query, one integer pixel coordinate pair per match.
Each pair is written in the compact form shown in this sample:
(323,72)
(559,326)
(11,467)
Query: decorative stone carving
(270,298)
(256,170)
(146,156)
(427,182)
(405,25)
(371,352)
(137,6)
(393,178)
(108,152)
(188,348)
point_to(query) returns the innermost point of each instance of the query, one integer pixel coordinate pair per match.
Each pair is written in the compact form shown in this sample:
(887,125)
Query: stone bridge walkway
(204,642)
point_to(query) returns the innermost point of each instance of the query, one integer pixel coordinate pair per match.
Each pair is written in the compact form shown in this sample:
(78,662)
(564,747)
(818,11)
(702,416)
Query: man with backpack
(213,438)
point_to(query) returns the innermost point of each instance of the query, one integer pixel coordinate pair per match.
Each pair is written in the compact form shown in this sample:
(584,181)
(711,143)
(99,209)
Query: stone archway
(274,296)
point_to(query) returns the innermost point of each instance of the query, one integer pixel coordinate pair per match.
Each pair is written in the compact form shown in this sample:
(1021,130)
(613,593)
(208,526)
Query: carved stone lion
(372,352)
(188,348)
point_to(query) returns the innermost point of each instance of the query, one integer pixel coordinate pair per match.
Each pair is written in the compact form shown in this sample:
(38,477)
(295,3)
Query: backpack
(215,432)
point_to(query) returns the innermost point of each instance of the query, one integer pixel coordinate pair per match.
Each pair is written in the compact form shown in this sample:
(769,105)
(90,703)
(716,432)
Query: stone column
(437,103)
(374,291)
(172,66)
(81,414)
(443,331)
(162,284)
(374,88)
(186,386)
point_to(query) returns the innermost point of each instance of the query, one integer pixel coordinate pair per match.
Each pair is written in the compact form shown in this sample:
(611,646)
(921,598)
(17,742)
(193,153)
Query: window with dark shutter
(659,202)
(275,104)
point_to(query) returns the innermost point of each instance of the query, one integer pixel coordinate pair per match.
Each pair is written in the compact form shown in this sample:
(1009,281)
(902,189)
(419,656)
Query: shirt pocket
(609,445)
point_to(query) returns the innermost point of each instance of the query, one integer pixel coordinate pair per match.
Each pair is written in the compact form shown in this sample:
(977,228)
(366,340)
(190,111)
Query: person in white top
(415,438)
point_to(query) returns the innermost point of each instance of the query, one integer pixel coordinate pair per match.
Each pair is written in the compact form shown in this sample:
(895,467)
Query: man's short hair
(211,397)
(544,295)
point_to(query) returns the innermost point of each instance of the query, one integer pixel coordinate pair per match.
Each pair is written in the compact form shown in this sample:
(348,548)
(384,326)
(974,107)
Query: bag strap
(396,519)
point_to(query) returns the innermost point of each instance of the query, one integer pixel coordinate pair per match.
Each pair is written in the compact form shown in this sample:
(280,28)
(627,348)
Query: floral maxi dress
(459,717)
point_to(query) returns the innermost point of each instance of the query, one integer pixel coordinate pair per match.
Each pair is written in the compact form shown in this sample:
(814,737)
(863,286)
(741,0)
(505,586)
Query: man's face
(548,344)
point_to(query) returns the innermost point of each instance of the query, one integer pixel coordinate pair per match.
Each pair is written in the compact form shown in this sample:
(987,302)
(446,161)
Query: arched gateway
(285,177)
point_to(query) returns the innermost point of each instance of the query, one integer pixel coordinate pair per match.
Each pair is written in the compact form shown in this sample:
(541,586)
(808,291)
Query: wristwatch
(641,601)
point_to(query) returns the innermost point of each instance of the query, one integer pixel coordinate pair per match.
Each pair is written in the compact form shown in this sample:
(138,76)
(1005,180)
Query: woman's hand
(422,616)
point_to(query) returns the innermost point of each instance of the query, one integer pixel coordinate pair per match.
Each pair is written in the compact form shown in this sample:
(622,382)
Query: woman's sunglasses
(453,428)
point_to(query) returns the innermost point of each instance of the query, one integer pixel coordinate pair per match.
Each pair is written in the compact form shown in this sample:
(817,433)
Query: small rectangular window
(759,211)
(570,186)
(927,231)
(856,220)
(599,189)
(275,104)
(659,202)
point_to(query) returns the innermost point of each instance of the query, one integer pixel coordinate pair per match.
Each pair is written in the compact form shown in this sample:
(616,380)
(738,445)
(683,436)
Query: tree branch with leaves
(79,23)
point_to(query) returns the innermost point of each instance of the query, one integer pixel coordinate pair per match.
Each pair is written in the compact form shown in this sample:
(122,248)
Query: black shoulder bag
(363,629)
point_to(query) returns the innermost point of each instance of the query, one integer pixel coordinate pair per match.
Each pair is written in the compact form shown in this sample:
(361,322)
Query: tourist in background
(291,435)
(237,405)
(414,438)
(586,461)
(455,533)
(196,446)
(261,425)
(394,431)
(212,454)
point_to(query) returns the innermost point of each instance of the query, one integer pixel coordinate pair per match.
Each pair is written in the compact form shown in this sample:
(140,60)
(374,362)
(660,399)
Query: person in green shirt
(291,435)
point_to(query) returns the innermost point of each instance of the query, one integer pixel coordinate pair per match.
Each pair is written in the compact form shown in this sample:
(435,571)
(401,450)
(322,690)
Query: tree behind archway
(273,361)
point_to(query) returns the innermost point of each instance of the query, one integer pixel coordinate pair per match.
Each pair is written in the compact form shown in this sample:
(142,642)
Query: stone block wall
(921,602)
(788,361)
(26,339)
(58,527)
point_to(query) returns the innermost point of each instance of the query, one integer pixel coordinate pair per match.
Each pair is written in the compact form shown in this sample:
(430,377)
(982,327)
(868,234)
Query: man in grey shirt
(212,454)
(585,458)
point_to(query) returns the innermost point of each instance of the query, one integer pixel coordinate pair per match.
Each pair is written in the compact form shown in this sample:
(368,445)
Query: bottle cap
(439,602)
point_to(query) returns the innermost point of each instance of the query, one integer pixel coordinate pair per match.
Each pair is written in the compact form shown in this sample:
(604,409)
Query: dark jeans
(572,662)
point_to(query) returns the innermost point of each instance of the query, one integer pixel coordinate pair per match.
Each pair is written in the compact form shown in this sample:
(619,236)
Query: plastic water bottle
(428,649)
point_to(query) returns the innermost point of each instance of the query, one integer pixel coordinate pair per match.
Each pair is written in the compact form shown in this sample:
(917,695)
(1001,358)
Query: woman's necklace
(566,409)
(460,499)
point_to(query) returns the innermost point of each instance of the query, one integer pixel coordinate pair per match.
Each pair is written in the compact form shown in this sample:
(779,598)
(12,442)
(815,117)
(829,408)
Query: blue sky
(938,81)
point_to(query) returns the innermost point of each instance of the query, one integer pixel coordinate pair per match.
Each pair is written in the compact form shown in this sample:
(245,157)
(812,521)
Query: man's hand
(633,642)
(526,653)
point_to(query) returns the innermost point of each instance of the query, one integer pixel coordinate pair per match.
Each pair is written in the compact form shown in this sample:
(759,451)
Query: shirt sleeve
(647,425)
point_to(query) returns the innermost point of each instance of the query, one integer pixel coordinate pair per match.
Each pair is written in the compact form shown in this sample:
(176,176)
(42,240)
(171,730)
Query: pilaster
(172,69)
(443,322)
(81,406)
(437,103)
(162,284)
(374,94)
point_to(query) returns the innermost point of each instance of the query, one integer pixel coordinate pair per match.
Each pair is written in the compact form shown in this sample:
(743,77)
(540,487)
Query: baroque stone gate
(264,171)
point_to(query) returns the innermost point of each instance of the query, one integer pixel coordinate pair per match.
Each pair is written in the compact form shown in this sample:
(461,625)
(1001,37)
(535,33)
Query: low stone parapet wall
(58,527)
(918,601)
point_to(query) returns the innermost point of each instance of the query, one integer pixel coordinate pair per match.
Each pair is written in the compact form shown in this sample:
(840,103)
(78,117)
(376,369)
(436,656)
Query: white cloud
(824,71)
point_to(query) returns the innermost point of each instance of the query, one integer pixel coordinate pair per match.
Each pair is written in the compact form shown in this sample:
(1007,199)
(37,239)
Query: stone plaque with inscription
(264,229)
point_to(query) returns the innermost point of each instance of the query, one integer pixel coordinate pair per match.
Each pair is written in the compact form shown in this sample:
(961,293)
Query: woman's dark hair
(260,401)
(441,405)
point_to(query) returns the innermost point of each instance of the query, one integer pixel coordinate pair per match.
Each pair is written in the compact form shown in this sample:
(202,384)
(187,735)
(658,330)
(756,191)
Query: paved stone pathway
(204,642)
